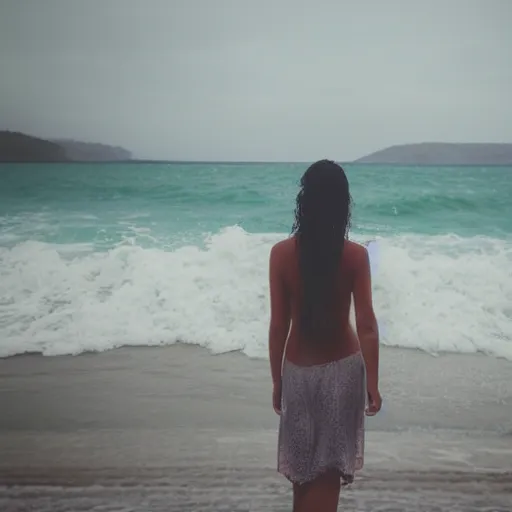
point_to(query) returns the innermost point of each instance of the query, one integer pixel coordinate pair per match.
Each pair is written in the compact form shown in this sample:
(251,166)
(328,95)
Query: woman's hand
(276,397)
(374,402)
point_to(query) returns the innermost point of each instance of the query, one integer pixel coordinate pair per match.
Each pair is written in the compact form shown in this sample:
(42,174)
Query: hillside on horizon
(79,151)
(20,147)
(442,153)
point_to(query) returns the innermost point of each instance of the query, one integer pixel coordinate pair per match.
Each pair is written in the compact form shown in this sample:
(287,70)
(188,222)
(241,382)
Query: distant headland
(442,153)
(19,147)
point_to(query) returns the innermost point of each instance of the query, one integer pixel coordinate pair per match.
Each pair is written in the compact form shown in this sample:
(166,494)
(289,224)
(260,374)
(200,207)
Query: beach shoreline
(182,429)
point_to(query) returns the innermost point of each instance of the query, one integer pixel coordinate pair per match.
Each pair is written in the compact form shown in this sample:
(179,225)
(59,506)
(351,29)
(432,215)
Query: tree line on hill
(19,147)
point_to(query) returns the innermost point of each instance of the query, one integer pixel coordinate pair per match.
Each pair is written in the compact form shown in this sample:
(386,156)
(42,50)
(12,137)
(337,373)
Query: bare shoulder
(358,249)
(283,249)
(284,246)
(357,253)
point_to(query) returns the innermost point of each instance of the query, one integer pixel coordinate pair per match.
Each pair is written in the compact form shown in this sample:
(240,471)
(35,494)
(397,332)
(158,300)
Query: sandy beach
(177,428)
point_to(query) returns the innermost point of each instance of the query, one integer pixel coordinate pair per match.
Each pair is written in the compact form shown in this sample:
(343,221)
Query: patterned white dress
(322,419)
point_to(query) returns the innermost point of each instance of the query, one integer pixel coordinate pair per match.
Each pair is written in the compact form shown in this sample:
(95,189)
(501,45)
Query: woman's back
(340,341)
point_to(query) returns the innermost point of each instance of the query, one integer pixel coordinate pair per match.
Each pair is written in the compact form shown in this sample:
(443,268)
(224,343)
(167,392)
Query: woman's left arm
(280,317)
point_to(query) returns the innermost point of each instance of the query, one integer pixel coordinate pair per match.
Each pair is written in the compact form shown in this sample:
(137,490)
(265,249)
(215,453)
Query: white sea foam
(440,293)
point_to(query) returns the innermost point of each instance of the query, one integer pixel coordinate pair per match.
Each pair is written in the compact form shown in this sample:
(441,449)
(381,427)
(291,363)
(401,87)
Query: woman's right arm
(366,325)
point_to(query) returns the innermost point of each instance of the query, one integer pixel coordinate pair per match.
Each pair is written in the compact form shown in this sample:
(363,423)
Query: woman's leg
(320,495)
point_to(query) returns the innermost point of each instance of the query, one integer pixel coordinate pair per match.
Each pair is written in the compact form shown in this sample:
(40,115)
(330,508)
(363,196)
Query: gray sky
(257,79)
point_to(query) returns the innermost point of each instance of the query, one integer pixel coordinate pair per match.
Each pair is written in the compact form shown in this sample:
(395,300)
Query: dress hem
(346,478)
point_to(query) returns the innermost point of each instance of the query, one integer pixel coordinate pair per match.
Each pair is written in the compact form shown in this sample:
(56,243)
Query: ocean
(98,256)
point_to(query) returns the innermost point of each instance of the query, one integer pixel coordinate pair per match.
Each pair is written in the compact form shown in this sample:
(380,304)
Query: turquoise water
(197,198)
(97,256)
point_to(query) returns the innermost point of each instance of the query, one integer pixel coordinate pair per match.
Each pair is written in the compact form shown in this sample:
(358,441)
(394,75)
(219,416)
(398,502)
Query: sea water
(97,256)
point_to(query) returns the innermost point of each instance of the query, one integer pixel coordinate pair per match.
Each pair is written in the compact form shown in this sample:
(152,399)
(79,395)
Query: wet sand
(176,428)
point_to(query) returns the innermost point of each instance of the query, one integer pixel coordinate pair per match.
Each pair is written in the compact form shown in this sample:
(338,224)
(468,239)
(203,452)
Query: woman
(322,383)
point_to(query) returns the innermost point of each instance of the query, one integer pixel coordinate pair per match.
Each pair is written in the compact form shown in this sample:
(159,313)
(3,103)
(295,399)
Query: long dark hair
(322,221)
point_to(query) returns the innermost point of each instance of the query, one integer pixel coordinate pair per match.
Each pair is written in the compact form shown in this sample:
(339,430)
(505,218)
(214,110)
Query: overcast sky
(257,79)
